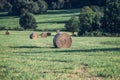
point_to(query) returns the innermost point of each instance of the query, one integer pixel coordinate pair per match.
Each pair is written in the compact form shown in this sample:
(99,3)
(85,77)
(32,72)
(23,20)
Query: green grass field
(89,58)
(52,20)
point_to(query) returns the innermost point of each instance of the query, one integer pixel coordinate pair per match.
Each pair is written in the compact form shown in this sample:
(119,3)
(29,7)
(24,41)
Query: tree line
(41,6)
(96,20)
(96,16)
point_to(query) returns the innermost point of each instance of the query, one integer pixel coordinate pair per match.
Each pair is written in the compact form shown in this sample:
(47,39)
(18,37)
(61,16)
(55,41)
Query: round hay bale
(7,33)
(48,34)
(34,36)
(44,35)
(62,40)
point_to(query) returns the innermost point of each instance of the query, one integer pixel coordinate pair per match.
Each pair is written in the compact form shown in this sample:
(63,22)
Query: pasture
(51,21)
(89,58)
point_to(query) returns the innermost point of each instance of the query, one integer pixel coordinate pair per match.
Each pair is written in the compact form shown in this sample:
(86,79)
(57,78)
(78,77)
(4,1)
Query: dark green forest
(40,6)
(6,5)
(96,16)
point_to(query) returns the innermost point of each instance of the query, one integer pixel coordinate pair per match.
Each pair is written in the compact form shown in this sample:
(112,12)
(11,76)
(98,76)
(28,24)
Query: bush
(72,25)
(86,19)
(54,5)
(2,28)
(28,21)
(89,20)
(42,6)
(17,8)
(111,20)
(32,7)
(21,7)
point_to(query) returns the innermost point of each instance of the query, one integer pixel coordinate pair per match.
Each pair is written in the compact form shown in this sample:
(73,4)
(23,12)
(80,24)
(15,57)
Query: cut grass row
(89,58)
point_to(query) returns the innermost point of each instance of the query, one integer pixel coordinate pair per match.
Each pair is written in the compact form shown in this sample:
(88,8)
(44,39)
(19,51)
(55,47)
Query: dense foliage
(18,7)
(27,21)
(89,20)
(111,20)
(99,15)
(72,25)
(53,4)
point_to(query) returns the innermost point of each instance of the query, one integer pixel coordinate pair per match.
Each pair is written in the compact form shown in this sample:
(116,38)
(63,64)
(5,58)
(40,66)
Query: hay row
(36,35)
(61,40)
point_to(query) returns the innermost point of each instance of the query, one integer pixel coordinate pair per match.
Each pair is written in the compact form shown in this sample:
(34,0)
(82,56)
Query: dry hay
(7,33)
(44,35)
(34,36)
(62,40)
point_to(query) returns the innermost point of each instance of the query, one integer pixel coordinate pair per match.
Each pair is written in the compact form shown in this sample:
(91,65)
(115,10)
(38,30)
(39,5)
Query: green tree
(89,20)
(111,20)
(22,6)
(72,25)
(53,5)
(43,6)
(32,7)
(86,19)
(28,21)
(60,4)
(98,11)
(17,8)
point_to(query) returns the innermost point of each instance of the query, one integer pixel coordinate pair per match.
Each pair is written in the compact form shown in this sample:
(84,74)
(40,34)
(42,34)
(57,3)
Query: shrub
(2,27)
(86,19)
(89,20)
(32,7)
(28,21)
(60,4)
(42,6)
(23,6)
(54,5)
(72,25)
(111,20)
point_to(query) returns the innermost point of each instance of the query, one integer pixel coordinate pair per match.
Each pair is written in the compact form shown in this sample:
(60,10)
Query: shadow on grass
(56,50)
(4,15)
(29,47)
(67,11)
(58,22)
(91,50)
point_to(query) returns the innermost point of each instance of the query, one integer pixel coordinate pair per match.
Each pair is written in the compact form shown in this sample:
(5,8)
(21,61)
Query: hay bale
(7,32)
(34,36)
(58,31)
(62,40)
(48,34)
(44,35)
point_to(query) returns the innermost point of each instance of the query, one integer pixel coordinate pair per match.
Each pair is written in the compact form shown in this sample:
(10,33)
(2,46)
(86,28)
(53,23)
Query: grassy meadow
(51,21)
(89,58)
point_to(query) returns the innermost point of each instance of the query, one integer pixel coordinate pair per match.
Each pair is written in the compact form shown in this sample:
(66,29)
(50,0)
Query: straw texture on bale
(62,40)
(34,36)
(7,33)
(44,35)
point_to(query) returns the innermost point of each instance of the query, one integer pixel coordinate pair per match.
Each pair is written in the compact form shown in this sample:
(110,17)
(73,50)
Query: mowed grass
(52,20)
(89,58)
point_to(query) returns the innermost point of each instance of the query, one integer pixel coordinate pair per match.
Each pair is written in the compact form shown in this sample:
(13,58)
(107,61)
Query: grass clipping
(62,40)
